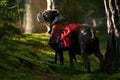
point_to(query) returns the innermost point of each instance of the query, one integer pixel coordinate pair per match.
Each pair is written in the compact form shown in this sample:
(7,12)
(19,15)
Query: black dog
(84,41)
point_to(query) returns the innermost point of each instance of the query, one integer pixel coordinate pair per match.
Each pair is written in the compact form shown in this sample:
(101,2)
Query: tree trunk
(112,56)
(51,4)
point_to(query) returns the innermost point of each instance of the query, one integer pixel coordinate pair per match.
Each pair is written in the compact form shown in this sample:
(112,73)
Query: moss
(24,60)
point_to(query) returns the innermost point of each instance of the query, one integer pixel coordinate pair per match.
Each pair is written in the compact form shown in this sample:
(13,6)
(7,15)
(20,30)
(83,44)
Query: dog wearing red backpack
(75,38)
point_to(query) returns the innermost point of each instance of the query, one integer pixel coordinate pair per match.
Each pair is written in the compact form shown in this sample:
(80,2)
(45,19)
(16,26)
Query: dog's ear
(40,17)
(49,15)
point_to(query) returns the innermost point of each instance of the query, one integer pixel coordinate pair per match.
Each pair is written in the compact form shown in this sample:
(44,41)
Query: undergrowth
(24,58)
(29,57)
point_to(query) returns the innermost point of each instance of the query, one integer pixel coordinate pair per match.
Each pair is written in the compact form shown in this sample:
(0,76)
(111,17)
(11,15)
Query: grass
(30,58)
(22,59)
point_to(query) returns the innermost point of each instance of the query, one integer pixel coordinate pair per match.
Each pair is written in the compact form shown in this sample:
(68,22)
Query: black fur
(84,42)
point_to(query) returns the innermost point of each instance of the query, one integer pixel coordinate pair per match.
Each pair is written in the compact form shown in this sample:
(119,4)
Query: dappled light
(31,54)
(75,29)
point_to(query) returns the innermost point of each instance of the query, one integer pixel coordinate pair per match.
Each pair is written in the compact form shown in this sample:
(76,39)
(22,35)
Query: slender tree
(112,56)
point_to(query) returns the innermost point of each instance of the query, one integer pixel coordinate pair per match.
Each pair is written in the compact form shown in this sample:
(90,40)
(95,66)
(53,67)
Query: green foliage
(30,58)
(9,31)
(3,3)
(24,59)
(9,19)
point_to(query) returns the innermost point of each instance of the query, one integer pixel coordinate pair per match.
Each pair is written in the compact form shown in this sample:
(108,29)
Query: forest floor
(31,58)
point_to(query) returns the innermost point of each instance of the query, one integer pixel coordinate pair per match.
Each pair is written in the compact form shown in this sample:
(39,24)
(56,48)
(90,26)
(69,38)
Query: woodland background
(26,55)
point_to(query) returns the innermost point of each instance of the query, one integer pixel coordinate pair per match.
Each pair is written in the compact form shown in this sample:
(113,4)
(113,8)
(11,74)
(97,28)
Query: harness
(61,33)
